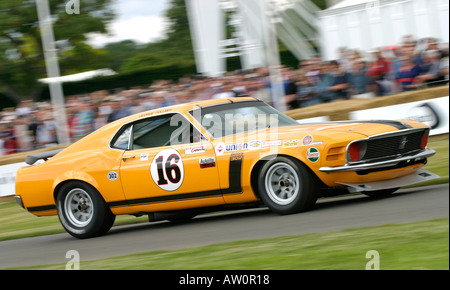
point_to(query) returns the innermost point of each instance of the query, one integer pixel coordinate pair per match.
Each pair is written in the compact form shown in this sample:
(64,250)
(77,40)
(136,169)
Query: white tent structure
(369,24)
(257,26)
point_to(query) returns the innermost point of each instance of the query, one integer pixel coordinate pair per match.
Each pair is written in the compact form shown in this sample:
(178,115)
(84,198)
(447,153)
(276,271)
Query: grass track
(421,245)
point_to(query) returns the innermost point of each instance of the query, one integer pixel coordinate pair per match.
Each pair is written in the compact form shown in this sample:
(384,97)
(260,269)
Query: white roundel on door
(167,169)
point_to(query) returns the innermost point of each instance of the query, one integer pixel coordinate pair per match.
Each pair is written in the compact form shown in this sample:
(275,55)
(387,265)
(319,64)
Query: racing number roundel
(167,169)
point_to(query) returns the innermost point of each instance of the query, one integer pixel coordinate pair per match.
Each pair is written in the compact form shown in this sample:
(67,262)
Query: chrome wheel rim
(282,183)
(79,207)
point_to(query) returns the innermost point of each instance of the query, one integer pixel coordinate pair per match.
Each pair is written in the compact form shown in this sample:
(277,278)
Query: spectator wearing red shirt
(10,144)
(377,73)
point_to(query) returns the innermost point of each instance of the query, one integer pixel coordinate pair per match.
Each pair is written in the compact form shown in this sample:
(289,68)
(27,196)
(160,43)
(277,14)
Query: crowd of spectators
(408,66)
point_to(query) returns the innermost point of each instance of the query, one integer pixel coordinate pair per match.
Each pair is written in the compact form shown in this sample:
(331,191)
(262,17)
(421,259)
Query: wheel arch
(58,187)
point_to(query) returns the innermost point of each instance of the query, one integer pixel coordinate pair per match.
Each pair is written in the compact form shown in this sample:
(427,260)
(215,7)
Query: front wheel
(82,211)
(286,186)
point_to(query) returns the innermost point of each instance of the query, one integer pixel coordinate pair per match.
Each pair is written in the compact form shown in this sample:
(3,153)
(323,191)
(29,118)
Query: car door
(169,165)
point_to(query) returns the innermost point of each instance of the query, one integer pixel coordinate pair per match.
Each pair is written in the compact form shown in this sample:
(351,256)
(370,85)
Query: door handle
(127,157)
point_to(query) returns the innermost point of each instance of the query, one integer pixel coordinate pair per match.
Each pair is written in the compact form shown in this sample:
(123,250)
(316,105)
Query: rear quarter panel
(38,184)
(88,160)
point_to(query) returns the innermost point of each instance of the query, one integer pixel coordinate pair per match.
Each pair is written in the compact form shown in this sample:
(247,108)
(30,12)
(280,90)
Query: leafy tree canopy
(22,57)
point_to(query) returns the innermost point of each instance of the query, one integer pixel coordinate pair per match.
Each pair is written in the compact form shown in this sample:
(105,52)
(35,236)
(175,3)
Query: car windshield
(239,117)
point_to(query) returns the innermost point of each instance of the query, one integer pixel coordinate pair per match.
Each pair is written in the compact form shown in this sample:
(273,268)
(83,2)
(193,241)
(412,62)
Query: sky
(139,20)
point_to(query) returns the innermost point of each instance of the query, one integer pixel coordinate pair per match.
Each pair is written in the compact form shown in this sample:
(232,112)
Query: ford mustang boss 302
(176,162)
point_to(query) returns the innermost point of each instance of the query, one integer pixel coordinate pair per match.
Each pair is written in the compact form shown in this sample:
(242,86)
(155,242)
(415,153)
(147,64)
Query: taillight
(424,139)
(356,151)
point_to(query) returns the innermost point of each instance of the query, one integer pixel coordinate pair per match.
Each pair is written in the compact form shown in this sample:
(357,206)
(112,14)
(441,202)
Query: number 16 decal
(167,169)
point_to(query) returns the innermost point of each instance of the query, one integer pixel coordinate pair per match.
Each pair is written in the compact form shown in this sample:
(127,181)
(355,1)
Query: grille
(393,146)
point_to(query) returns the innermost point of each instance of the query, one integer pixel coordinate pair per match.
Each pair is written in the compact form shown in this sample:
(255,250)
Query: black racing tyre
(286,186)
(381,192)
(82,211)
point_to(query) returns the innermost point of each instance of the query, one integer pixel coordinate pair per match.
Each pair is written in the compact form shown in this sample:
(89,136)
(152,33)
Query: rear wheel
(286,186)
(82,211)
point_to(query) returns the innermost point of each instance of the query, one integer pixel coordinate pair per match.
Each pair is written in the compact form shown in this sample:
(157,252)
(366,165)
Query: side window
(153,132)
(185,132)
(122,139)
(157,132)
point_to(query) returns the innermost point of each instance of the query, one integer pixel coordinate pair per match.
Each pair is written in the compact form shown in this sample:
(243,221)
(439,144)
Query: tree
(119,52)
(22,59)
(82,57)
(174,50)
(178,32)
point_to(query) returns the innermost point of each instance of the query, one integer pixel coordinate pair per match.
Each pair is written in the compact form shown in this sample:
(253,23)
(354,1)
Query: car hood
(363,128)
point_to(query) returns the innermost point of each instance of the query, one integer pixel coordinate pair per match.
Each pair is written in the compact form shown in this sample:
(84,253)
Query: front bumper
(413,178)
(367,166)
(19,200)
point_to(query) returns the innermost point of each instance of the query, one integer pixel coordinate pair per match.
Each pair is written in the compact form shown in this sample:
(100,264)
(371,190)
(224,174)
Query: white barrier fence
(433,112)
(8,178)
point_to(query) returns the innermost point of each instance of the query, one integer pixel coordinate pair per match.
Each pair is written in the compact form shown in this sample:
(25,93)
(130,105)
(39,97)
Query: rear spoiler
(31,159)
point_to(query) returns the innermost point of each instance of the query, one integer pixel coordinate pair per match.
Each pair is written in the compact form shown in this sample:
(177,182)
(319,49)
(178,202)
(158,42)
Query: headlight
(425,139)
(356,151)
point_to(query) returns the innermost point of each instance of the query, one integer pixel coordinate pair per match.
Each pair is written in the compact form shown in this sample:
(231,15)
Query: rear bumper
(366,166)
(413,178)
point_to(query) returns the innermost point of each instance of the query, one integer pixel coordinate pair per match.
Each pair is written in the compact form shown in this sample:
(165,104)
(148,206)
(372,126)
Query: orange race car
(175,162)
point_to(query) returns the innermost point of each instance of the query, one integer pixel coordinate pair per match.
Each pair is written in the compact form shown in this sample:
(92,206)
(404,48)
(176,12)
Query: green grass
(421,245)
(17,223)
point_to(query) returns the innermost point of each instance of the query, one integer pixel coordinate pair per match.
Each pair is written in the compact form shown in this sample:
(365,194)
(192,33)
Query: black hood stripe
(396,124)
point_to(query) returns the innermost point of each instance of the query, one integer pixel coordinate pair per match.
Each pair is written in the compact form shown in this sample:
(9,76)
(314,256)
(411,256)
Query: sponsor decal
(156,112)
(195,149)
(253,145)
(290,143)
(144,156)
(307,140)
(272,143)
(207,162)
(317,143)
(112,175)
(313,154)
(236,147)
(167,169)
(236,156)
(220,148)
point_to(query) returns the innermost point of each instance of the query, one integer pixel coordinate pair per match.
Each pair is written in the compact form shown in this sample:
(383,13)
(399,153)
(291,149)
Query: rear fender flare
(74,176)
